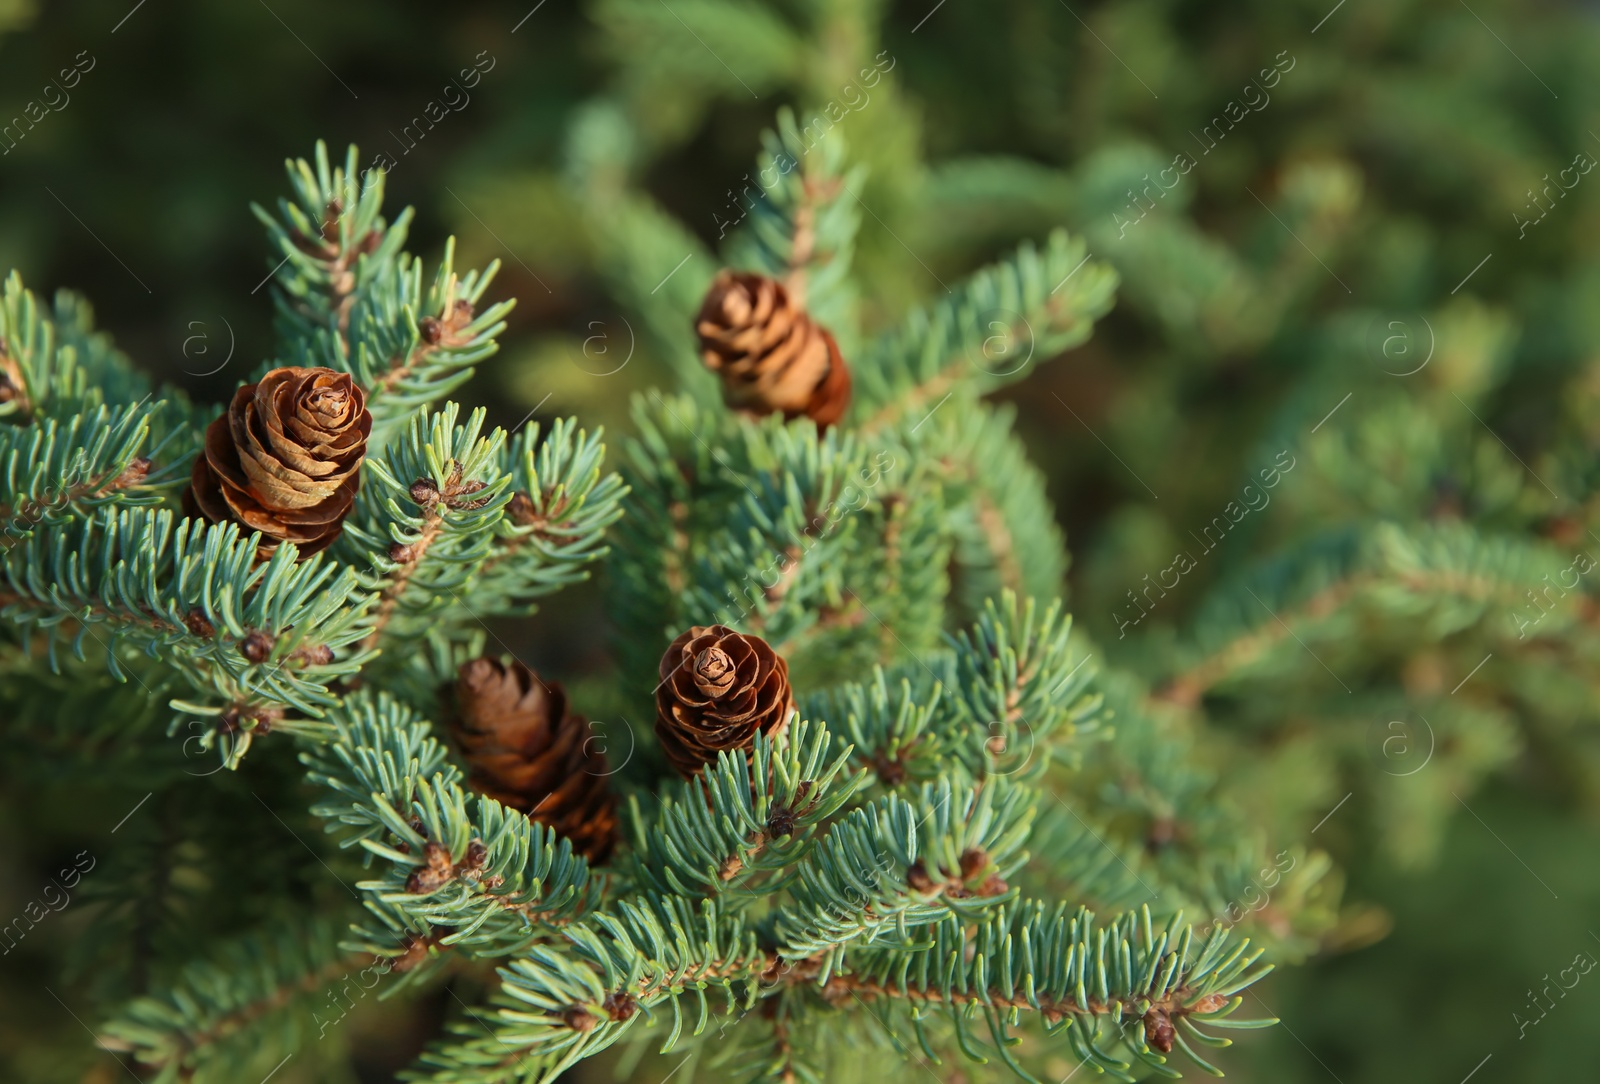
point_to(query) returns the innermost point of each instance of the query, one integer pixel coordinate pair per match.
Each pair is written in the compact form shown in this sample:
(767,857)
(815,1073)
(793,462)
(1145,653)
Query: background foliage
(1392,157)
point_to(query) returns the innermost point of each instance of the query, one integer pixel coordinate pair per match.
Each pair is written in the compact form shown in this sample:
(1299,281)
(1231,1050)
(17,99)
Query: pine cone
(718,688)
(770,354)
(529,752)
(285,459)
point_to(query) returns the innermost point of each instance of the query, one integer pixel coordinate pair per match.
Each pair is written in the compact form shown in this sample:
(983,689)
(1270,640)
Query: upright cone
(772,357)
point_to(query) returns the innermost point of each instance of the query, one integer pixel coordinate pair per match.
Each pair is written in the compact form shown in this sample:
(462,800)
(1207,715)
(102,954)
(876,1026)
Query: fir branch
(406,360)
(348,295)
(562,1003)
(1004,528)
(740,818)
(1032,957)
(801,228)
(679,476)
(50,470)
(1440,573)
(336,247)
(1006,696)
(896,864)
(1018,668)
(495,879)
(427,519)
(55,365)
(892,723)
(251,638)
(231,1013)
(1002,321)
(555,524)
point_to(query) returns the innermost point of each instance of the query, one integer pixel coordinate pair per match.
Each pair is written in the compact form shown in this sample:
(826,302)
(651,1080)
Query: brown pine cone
(285,459)
(770,354)
(718,688)
(528,751)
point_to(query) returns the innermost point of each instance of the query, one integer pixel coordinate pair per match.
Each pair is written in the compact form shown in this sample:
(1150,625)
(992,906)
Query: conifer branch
(1381,568)
(1002,321)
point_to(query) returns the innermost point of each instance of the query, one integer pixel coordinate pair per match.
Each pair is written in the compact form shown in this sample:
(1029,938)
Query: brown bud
(314,655)
(579,1018)
(402,553)
(257,717)
(425,492)
(620,1005)
(780,822)
(11,382)
(459,491)
(521,509)
(330,219)
(257,647)
(437,870)
(430,330)
(133,474)
(993,885)
(1158,1030)
(1209,1004)
(416,951)
(195,621)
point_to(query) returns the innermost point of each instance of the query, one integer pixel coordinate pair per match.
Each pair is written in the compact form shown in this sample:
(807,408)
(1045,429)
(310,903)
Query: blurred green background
(1397,150)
